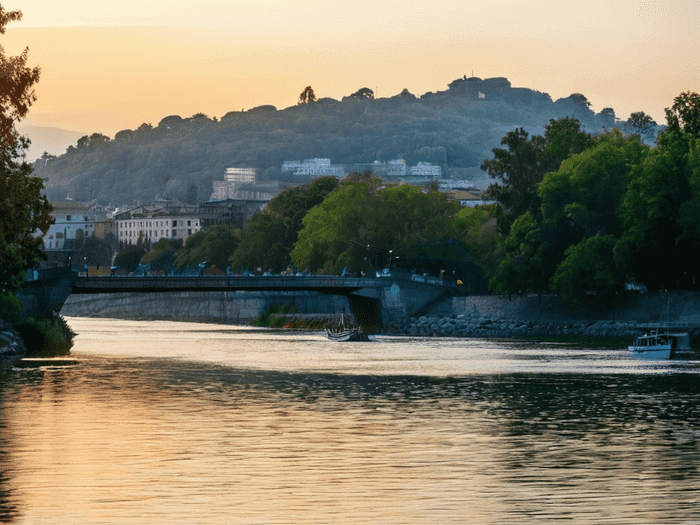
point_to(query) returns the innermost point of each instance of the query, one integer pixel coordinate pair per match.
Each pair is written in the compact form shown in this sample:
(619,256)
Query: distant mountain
(456,128)
(54,141)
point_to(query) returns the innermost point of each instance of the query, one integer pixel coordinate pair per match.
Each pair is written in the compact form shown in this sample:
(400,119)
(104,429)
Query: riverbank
(12,347)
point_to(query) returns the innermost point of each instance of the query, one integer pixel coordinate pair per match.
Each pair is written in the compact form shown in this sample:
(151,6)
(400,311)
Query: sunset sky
(108,66)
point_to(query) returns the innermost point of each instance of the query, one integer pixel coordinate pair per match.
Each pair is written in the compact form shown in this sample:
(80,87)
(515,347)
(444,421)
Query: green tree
(655,248)
(684,115)
(641,123)
(162,255)
(578,201)
(24,211)
(519,169)
(272,233)
(215,245)
(362,225)
(588,266)
(129,258)
(16,85)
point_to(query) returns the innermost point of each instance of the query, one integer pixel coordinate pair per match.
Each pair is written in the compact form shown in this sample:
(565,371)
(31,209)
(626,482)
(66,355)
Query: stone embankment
(11,346)
(465,325)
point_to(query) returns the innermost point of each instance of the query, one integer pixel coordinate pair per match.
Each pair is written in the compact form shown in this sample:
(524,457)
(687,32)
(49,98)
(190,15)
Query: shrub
(46,337)
(10,308)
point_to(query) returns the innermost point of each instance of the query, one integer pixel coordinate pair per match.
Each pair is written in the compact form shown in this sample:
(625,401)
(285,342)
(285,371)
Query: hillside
(456,128)
(53,141)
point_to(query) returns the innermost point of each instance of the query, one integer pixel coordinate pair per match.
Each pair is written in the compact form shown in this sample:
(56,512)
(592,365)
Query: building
(234,178)
(71,222)
(312,168)
(146,223)
(425,170)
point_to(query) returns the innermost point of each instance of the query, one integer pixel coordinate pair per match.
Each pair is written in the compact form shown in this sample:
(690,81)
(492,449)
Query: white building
(396,168)
(71,222)
(154,225)
(234,178)
(425,169)
(312,168)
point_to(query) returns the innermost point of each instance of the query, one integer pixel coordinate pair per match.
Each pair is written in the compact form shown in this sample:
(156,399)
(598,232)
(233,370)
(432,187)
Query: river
(162,422)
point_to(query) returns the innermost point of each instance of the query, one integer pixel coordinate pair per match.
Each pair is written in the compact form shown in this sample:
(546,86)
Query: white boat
(344,332)
(652,345)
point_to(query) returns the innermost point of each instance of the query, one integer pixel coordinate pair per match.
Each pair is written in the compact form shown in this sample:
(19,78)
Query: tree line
(574,214)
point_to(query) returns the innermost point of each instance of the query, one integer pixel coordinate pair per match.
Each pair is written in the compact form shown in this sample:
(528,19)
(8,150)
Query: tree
(588,266)
(521,167)
(271,234)
(162,255)
(24,211)
(684,115)
(16,84)
(364,93)
(129,258)
(307,96)
(641,123)
(215,245)
(362,226)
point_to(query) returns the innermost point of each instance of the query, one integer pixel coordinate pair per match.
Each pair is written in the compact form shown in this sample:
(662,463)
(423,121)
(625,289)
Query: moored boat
(345,332)
(652,345)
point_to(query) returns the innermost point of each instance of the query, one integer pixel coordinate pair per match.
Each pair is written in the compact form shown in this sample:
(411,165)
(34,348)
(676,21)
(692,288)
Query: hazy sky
(108,66)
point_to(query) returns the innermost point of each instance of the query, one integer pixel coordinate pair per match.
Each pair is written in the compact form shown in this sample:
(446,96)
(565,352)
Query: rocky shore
(465,325)
(11,346)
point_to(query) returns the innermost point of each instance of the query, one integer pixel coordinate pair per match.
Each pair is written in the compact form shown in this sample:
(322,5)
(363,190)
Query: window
(67,218)
(174,233)
(189,223)
(174,223)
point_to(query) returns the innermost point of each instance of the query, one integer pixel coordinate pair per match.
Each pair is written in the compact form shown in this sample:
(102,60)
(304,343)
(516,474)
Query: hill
(53,141)
(456,128)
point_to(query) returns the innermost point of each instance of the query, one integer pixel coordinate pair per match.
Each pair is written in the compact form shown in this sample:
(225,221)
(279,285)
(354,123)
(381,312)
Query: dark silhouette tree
(307,96)
(684,115)
(23,208)
(641,123)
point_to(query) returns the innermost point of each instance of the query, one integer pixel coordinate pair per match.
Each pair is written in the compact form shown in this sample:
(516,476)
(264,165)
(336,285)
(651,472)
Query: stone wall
(220,307)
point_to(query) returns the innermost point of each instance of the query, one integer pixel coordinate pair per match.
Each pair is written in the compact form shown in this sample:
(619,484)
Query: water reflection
(158,439)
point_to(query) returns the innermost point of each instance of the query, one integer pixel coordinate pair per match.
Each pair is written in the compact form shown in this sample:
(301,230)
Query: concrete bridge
(389,298)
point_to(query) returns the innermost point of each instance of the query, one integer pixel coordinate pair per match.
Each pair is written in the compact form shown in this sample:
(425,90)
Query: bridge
(388,298)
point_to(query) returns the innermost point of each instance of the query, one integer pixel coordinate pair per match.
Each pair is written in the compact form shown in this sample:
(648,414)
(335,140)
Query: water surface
(163,422)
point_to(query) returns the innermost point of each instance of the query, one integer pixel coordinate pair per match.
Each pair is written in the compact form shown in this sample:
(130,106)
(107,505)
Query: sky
(109,66)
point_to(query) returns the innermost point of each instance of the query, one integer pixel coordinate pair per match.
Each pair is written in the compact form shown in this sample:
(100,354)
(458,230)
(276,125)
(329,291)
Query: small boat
(652,345)
(345,332)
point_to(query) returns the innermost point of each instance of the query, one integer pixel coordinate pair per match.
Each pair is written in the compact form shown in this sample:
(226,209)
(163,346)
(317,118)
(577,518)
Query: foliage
(129,257)
(46,337)
(10,308)
(521,167)
(307,96)
(658,247)
(273,317)
(477,229)
(362,226)
(272,233)
(162,255)
(641,123)
(169,157)
(684,114)
(95,252)
(215,245)
(16,85)
(578,201)
(23,209)
(588,266)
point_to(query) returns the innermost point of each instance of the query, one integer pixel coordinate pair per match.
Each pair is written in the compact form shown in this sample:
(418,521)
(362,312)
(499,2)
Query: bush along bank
(479,326)
(50,337)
